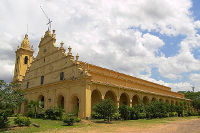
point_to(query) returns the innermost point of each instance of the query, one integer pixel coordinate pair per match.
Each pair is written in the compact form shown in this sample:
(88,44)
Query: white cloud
(179,86)
(195,78)
(100,31)
(197,24)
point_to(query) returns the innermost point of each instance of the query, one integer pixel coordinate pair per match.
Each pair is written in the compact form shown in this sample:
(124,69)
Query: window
(17,59)
(26,60)
(45,50)
(44,60)
(27,85)
(62,76)
(42,80)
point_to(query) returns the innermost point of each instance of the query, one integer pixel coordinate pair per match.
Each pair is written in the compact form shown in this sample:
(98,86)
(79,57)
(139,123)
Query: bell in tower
(24,57)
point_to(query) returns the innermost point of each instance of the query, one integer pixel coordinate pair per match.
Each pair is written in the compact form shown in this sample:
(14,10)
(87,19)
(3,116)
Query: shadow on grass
(9,128)
(102,121)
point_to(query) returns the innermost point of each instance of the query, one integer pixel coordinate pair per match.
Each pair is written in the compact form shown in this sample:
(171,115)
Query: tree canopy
(195,97)
(11,97)
(105,108)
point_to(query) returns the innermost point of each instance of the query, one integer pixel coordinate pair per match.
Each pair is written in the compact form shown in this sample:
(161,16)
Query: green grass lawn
(44,126)
(86,125)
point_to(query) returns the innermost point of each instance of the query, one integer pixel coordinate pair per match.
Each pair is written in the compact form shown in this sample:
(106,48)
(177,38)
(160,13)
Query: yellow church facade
(56,77)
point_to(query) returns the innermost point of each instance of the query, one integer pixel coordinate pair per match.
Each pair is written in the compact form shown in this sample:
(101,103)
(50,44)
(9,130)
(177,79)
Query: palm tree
(35,105)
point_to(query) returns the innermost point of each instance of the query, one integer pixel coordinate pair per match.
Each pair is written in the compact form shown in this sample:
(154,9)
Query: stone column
(118,100)
(130,104)
(88,102)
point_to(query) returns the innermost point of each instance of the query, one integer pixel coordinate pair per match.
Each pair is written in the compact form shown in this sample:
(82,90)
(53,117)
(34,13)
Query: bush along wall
(3,119)
(155,110)
(151,110)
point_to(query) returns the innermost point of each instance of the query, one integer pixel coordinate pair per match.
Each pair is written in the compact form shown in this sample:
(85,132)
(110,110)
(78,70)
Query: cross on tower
(49,20)
(49,23)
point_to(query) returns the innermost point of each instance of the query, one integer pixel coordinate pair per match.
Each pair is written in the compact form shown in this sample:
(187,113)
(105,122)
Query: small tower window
(62,76)
(42,80)
(45,50)
(44,60)
(17,59)
(26,60)
(27,85)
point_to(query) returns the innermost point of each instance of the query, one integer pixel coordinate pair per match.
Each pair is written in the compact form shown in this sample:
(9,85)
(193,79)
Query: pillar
(88,102)
(130,103)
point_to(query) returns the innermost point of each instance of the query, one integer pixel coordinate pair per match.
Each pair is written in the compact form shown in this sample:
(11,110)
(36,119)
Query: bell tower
(24,57)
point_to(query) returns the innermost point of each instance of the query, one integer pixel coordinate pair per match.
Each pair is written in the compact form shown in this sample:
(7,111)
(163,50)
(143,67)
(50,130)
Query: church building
(56,77)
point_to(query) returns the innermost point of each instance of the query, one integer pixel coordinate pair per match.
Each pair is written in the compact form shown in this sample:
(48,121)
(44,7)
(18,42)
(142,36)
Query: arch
(41,99)
(135,100)
(75,104)
(145,100)
(176,102)
(61,101)
(161,100)
(124,99)
(111,95)
(172,102)
(153,99)
(167,101)
(95,98)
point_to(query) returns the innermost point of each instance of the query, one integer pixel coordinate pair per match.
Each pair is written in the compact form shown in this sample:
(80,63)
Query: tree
(195,97)
(11,97)
(125,112)
(106,108)
(35,106)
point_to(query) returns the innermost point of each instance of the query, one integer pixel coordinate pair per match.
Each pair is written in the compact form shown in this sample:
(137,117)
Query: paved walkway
(188,126)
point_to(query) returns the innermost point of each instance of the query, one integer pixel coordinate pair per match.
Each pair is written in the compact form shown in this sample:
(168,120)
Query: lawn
(87,125)
(44,126)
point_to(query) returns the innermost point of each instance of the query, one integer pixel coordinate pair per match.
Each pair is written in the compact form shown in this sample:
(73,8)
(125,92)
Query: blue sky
(155,40)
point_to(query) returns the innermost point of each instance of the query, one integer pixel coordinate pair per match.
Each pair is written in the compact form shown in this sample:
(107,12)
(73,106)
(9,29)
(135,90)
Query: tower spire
(25,43)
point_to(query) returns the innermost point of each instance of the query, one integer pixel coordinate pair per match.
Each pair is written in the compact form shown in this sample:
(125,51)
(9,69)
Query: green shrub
(55,113)
(16,114)
(132,113)
(124,111)
(96,115)
(156,110)
(185,114)
(22,121)
(179,110)
(138,112)
(106,108)
(173,114)
(141,115)
(41,114)
(77,119)
(3,119)
(116,116)
(69,121)
(30,114)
